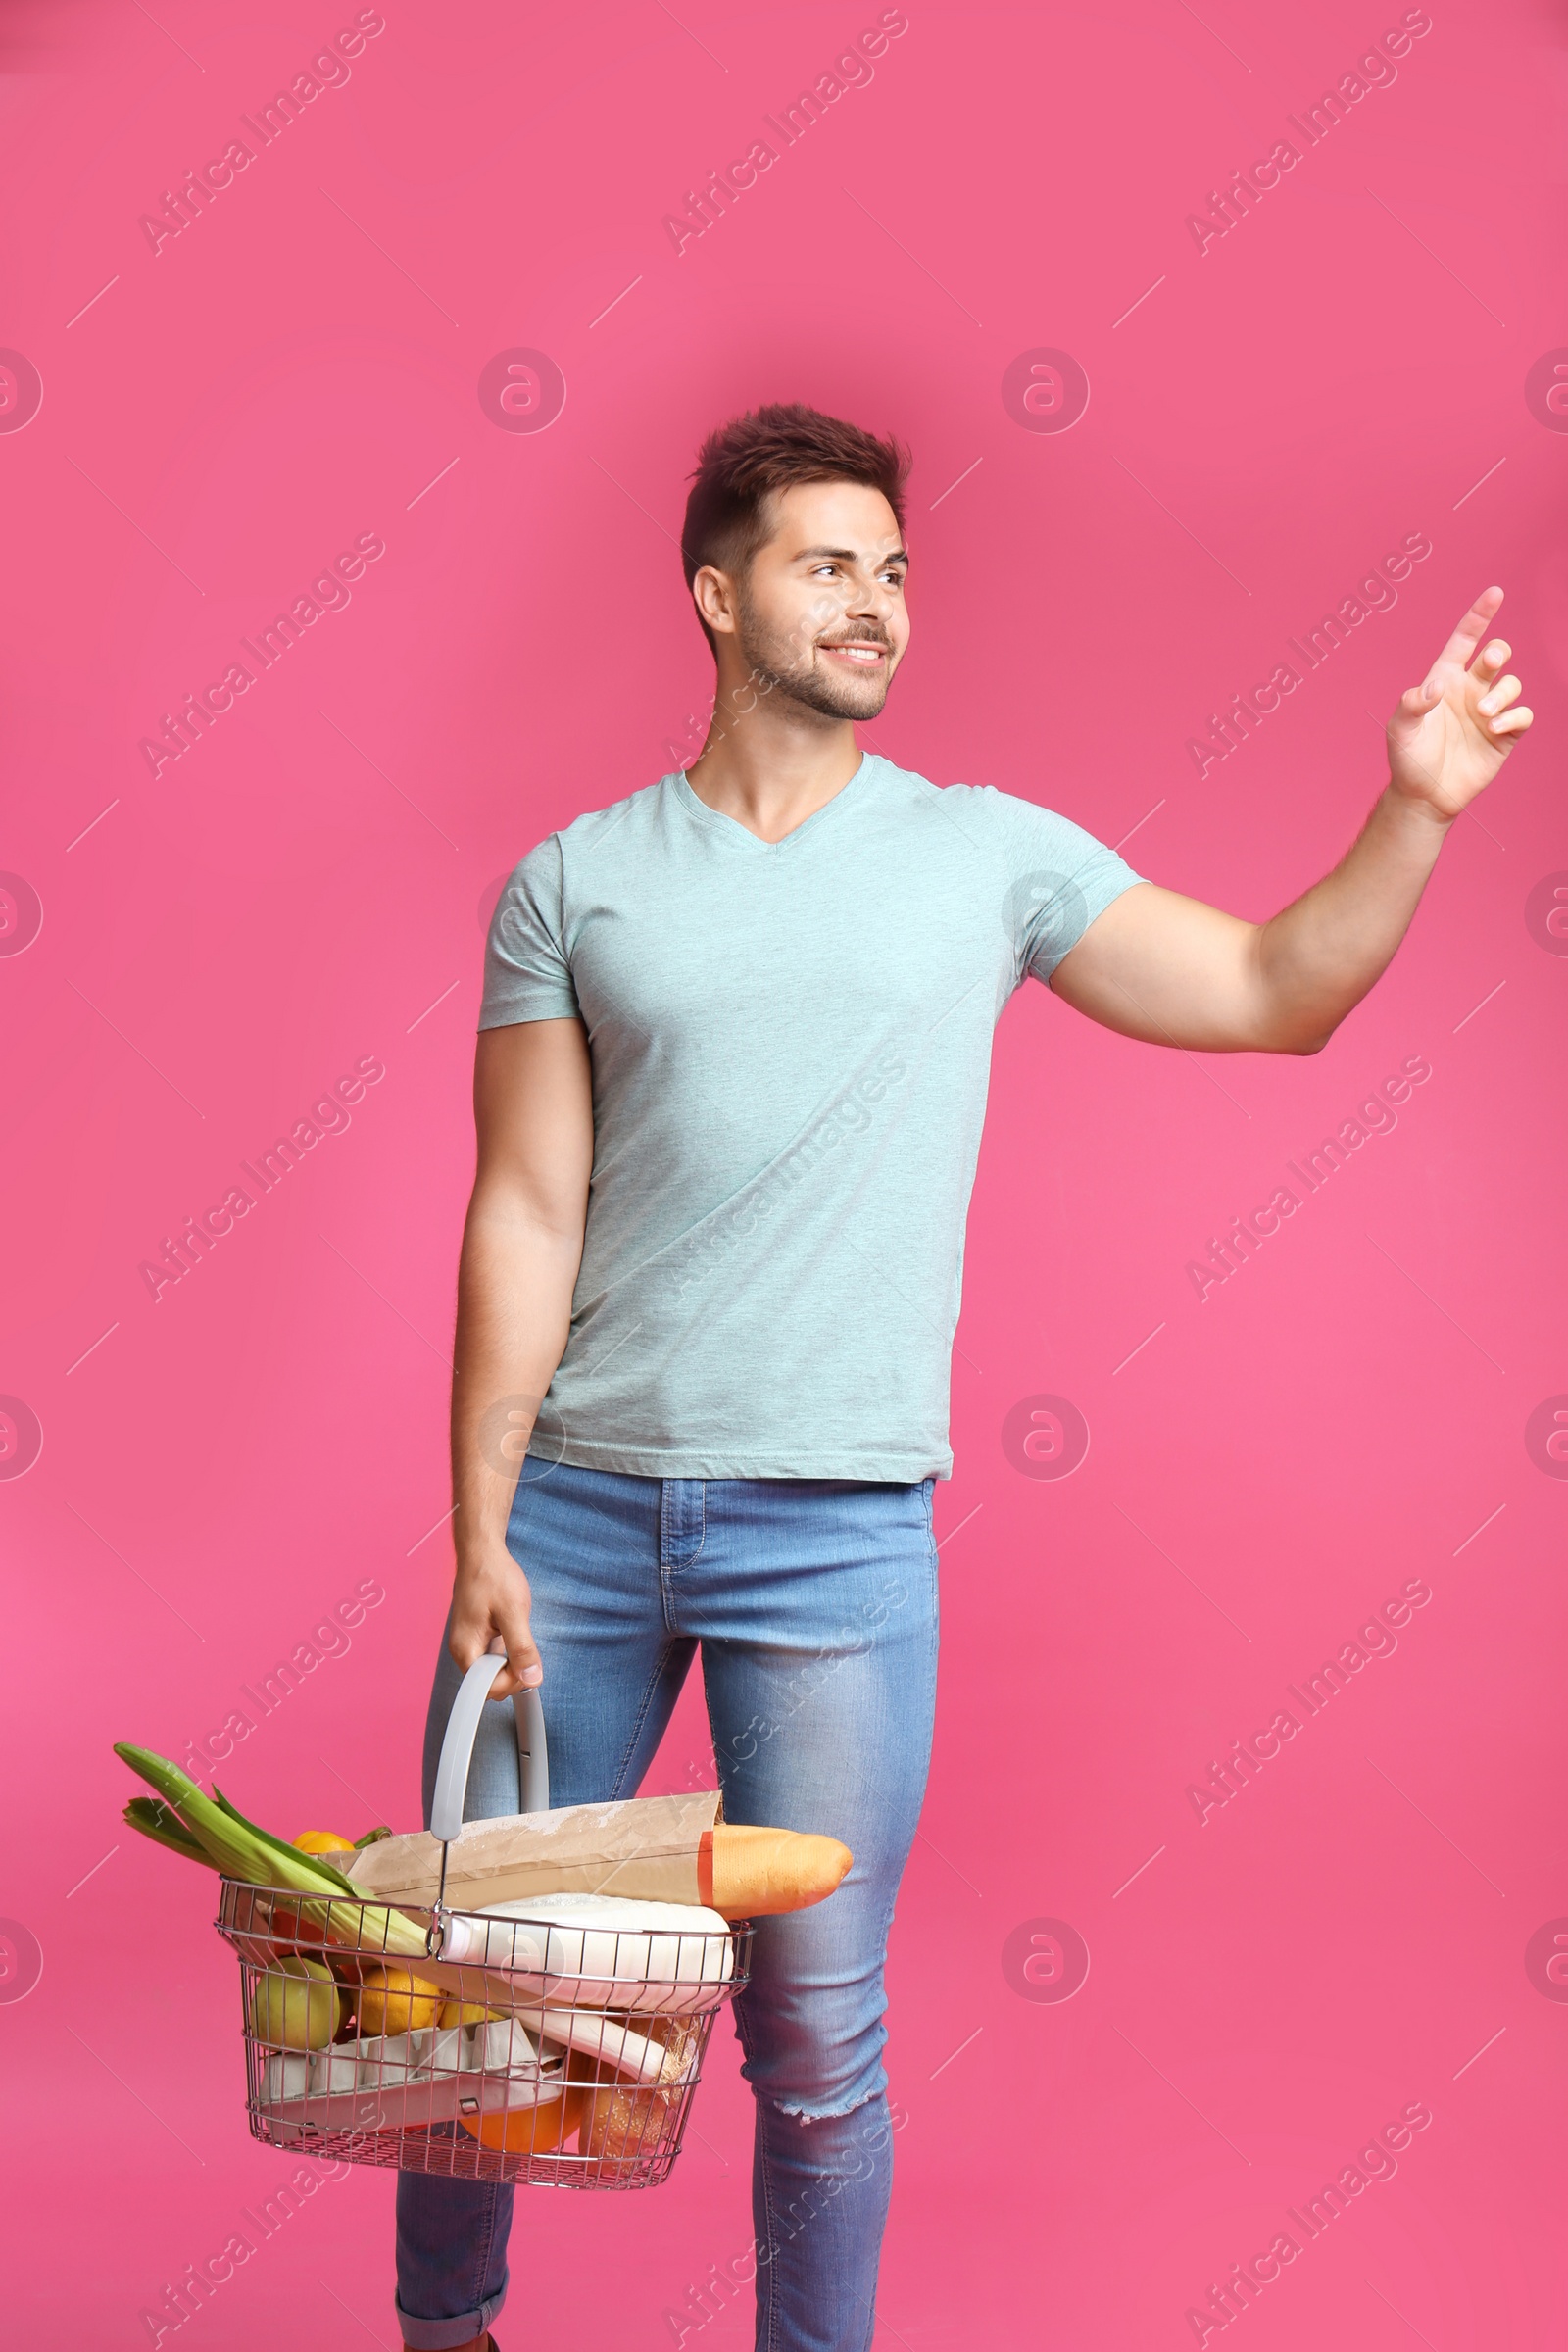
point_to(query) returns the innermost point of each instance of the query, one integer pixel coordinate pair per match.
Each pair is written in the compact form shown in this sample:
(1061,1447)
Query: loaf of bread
(649,1849)
(619,2124)
(747,1872)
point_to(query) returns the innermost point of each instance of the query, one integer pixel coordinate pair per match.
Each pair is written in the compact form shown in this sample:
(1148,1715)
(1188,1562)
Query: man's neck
(769,761)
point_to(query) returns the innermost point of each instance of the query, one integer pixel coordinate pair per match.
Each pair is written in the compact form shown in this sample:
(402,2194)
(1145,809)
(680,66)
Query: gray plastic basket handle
(457,1748)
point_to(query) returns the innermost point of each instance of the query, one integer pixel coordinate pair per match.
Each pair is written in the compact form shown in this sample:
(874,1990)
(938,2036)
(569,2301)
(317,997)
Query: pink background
(1268,417)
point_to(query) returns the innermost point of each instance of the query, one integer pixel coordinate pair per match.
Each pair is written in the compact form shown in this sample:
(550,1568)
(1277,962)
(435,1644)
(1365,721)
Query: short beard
(773,670)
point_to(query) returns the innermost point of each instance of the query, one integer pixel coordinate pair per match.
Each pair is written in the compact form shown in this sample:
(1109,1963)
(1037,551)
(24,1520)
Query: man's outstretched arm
(1171,970)
(521,1247)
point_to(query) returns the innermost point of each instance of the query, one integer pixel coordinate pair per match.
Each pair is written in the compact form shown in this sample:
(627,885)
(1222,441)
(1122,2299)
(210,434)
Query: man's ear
(713,594)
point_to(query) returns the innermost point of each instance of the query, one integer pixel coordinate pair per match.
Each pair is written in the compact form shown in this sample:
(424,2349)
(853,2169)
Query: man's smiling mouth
(863,652)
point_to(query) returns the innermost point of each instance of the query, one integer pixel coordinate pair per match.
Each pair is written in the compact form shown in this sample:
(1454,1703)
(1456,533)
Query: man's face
(820,615)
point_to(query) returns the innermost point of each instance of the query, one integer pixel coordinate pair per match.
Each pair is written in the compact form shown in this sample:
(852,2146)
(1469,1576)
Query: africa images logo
(1045,390)
(21,1960)
(1044,1960)
(21,1437)
(851,70)
(1045,1437)
(20,391)
(328,70)
(521,390)
(21,914)
(1546,1436)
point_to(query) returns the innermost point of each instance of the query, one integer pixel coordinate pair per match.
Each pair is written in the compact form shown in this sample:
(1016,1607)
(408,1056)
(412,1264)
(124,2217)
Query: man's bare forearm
(515,1287)
(1169,969)
(1318,958)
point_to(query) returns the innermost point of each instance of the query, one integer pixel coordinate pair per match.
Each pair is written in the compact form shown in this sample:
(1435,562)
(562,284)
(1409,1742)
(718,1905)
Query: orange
(322,1841)
(528,2131)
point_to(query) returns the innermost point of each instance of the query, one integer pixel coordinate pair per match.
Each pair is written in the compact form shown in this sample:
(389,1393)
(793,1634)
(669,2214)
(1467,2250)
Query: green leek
(343,1884)
(239,1850)
(212,1831)
(156,1821)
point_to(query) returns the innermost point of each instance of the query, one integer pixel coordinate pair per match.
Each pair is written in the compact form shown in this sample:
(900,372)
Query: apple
(296,2005)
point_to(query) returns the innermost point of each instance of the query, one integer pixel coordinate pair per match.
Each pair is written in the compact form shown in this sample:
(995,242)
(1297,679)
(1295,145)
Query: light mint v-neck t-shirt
(790,1047)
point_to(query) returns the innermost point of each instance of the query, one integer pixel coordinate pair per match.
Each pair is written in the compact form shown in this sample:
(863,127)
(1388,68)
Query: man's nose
(873,598)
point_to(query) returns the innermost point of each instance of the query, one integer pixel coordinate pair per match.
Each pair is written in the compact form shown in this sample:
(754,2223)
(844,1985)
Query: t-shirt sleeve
(527,976)
(1060,878)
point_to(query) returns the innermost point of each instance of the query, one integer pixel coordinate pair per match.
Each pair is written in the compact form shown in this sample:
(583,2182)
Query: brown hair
(742,464)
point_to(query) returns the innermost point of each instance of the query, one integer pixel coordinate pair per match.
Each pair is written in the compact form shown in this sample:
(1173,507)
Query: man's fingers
(1491,658)
(1414,703)
(1508,690)
(1514,721)
(510,1681)
(524,1668)
(502,1627)
(1471,629)
(470,1637)
(490,1610)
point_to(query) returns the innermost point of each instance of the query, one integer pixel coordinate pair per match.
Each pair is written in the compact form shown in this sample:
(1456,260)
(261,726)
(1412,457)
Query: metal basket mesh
(585,2081)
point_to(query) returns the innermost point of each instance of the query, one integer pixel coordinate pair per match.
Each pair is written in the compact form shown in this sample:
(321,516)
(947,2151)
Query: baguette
(753,1872)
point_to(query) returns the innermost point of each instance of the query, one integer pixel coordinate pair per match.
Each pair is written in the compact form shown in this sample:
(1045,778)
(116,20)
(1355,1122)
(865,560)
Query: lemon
(462,2013)
(393,2000)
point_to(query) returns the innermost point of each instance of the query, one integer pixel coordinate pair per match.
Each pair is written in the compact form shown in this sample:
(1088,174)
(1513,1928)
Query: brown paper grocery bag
(646,1846)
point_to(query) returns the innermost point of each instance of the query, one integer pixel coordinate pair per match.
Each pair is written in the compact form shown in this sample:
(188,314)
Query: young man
(731,1072)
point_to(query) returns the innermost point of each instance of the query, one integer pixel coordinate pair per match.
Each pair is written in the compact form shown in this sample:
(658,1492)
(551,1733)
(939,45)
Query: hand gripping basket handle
(457,1749)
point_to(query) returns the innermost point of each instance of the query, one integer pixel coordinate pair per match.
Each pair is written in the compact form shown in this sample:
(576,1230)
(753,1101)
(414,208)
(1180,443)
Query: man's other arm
(1171,970)
(521,1247)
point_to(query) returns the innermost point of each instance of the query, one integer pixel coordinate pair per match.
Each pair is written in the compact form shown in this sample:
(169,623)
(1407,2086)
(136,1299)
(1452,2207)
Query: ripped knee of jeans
(800,2112)
(874,2133)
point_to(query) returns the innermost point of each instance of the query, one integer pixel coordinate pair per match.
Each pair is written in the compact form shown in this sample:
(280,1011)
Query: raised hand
(1448,737)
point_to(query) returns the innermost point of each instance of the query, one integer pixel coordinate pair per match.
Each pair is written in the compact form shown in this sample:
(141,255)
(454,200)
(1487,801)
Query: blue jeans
(816,1606)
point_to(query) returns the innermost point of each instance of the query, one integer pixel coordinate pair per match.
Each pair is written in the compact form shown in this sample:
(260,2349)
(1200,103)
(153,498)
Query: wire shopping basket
(559,2053)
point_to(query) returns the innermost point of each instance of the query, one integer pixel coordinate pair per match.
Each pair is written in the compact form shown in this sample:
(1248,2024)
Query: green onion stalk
(212,1831)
